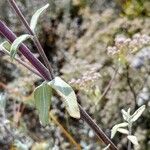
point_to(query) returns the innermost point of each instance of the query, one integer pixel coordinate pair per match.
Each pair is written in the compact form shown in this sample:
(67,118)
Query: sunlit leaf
(137,113)
(125,115)
(68,94)
(15,45)
(36,16)
(42,96)
(133,139)
(129,110)
(123,131)
(115,128)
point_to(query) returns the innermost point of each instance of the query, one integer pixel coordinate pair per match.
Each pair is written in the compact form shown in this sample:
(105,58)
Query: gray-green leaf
(15,45)
(123,131)
(42,96)
(6,46)
(137,113)
(133,139)
(126,115)
(36,16)
(116,127)
(68,94)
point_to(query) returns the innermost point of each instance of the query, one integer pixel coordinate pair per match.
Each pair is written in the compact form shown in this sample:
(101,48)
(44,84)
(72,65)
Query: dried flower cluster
(124,45)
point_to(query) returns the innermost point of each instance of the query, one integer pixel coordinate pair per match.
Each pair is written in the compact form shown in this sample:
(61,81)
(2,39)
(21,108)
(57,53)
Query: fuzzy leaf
(42,96)
(123,131)
(36,16)
(133,139)
(68,94)
(6,46)
(115,128)
(137,113)
(15,45)
(125,115)
(129,110)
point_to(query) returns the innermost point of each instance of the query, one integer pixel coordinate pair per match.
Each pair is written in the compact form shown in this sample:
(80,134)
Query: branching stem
(35,39)
(5,31)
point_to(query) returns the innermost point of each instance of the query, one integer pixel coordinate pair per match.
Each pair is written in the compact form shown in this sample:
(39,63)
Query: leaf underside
(68,95)
(36,16)
(42,96)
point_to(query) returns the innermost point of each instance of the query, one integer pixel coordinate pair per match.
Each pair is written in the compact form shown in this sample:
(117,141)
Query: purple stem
(6,32)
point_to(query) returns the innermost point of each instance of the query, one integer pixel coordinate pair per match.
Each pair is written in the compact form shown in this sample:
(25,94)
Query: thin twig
(35,39)
(100,134)
(130,133)
(108,86)
(23,63)
(129,84)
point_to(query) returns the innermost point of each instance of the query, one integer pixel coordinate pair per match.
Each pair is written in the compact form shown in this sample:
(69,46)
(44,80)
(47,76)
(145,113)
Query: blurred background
(75,35)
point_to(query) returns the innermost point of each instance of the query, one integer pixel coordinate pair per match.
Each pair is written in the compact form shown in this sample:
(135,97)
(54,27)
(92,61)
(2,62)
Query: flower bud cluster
(126,45)
(88,80)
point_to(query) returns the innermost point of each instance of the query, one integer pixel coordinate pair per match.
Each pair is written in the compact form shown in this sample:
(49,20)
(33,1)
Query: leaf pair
(132,118)
(15,45)
(119,128)
(129,120)
(43,94)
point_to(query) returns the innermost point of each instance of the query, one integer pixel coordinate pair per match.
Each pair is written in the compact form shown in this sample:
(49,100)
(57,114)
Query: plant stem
(100,134)
(130,85)
(35,39)
(130,133)
(5,31)
(23,63)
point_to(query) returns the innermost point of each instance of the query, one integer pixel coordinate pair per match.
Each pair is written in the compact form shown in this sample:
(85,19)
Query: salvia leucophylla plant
(43,92)
(126,126)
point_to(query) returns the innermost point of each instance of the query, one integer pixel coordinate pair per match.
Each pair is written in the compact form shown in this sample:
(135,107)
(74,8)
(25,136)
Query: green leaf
(42,96)
(137,113)
(68,94)
(36,16)
(133,139)
(116,127)
(15,45)
(6,46)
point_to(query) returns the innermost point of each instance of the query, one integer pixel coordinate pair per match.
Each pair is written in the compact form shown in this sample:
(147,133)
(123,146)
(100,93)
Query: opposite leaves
(36,16)
(67,93)
(118,127)
(42,96)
